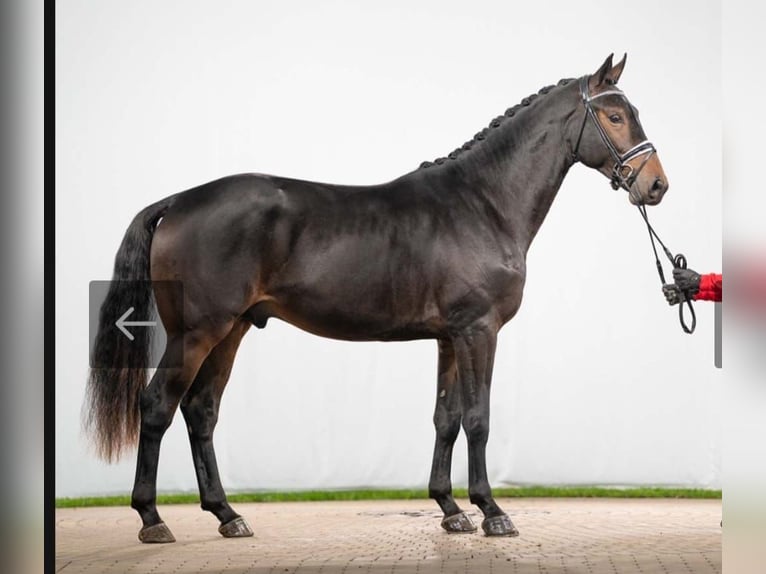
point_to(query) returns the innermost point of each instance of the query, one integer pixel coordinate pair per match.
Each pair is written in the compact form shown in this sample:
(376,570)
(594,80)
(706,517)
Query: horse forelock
(495,123)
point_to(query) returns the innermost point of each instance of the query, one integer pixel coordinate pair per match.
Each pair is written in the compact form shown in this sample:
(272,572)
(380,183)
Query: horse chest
(505,286)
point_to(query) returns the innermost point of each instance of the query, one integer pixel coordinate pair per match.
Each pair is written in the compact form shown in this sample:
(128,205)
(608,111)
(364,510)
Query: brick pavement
(593,536)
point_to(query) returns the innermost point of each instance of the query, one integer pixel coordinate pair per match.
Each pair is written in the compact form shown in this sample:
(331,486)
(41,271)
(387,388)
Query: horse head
(612,140)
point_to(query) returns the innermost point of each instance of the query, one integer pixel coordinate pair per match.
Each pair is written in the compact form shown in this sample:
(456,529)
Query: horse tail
(112,415)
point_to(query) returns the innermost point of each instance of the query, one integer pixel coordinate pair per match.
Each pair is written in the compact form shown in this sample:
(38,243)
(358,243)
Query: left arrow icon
(122,324)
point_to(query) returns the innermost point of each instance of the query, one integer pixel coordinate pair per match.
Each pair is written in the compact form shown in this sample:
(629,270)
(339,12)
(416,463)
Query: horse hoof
(236,528)
(156,534)
(499,526)
(458,524)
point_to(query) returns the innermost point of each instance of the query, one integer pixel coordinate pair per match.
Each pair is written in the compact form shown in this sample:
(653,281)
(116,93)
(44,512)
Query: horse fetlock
(140,498)
(143,501)
(480,493)
(439,488)
(214,505)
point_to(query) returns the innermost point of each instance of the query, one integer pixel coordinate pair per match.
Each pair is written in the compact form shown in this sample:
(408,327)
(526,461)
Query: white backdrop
(594,381)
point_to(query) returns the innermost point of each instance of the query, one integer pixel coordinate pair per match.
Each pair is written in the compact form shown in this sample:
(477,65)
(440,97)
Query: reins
(679,262)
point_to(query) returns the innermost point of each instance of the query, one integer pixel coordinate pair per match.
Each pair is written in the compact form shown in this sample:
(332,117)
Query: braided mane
(482,135)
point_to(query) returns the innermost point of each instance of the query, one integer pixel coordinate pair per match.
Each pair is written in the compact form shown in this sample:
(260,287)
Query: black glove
(687,280)
(672,294)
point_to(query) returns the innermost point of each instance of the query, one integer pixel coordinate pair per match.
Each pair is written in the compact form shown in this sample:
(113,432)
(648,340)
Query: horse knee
(447,428)
(476,426)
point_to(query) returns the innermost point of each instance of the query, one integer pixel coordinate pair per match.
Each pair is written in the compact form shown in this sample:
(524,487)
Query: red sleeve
(711,287)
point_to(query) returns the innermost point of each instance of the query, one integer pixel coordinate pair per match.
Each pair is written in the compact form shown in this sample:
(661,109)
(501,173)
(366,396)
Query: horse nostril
(658,187)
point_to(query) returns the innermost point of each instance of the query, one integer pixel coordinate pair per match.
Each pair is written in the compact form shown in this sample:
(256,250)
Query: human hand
(672,293)
(687,280)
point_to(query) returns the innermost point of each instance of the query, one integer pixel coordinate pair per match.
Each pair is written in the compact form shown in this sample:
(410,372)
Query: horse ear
(598,78)
(614,74)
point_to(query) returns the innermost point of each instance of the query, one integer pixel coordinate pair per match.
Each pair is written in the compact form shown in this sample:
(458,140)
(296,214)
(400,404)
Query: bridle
(624,176)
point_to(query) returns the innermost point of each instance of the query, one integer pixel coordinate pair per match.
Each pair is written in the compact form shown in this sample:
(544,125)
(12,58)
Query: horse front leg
(447,422)
(475,354)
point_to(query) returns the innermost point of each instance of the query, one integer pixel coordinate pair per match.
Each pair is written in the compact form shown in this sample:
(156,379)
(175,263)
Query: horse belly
(349,325)
(351,293)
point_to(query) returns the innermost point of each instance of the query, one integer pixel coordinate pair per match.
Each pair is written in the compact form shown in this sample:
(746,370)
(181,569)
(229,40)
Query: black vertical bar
(718,339)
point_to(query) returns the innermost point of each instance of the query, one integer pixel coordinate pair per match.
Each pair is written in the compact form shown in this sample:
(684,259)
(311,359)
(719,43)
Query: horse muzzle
(646,184)
(651,194)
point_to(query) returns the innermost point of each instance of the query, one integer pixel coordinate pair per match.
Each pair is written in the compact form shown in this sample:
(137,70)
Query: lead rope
(679,262)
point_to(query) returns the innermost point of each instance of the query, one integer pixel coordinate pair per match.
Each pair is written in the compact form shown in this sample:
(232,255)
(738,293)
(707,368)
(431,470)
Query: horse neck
(520,166)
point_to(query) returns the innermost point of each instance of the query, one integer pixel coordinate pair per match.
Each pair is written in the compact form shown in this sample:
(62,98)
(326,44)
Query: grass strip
(334,495)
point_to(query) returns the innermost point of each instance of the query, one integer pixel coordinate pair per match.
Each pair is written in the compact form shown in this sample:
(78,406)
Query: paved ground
(557,536)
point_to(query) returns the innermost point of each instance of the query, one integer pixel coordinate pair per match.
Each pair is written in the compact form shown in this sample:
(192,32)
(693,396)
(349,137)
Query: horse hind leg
(159,401)
(447,418)
(200,410)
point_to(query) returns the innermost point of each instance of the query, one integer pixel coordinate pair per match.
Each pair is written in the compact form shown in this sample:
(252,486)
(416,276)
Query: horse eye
(615,118)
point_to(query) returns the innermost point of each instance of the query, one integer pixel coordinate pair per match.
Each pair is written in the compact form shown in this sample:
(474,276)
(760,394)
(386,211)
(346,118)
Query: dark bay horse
(438,253)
